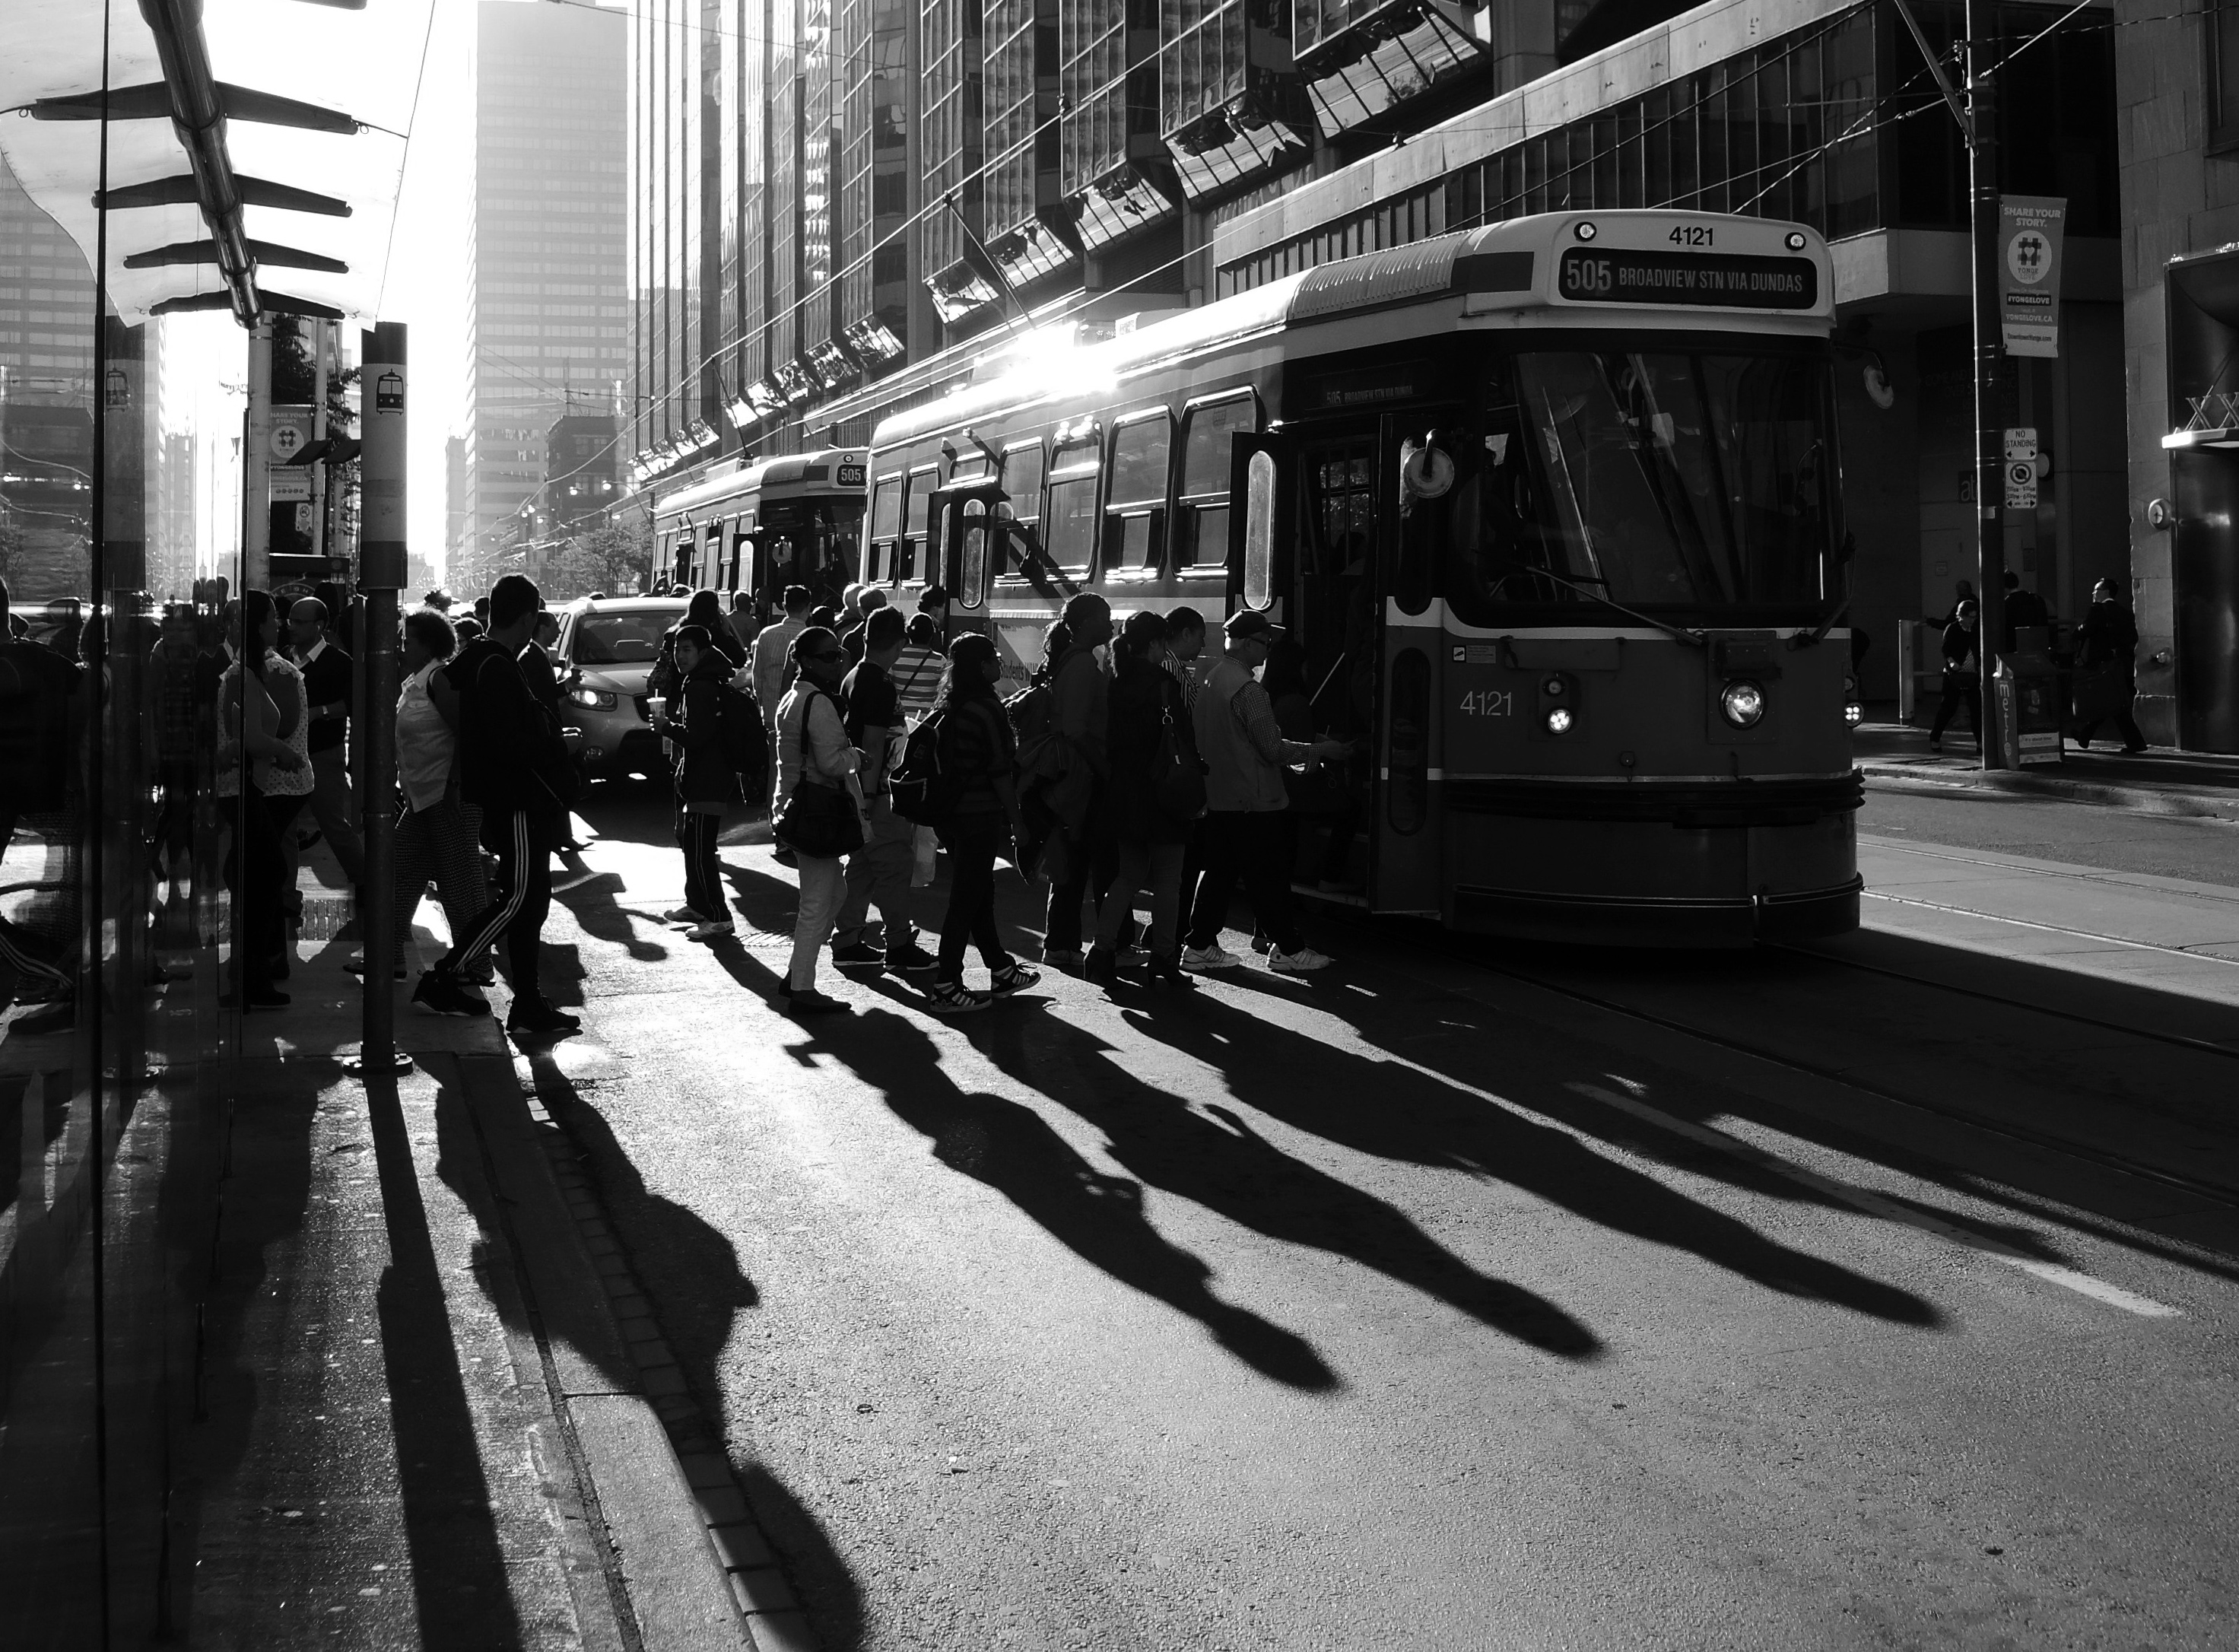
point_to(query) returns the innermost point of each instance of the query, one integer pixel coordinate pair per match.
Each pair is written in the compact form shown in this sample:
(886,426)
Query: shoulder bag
(816,820)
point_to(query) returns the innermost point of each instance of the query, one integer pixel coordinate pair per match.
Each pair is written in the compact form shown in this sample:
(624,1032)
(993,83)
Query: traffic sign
(2021,484)
(2021,442)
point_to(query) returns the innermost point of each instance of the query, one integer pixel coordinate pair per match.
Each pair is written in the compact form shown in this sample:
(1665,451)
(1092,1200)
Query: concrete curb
(2135,799)
(697,1569)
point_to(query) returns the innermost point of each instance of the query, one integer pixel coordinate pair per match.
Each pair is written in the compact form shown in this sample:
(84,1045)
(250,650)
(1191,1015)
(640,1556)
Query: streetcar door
(1421,456)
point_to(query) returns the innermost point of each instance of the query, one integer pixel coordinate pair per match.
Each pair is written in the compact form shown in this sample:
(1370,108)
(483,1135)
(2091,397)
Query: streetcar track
(2051,929)
(2183,1040)
(2121,1163)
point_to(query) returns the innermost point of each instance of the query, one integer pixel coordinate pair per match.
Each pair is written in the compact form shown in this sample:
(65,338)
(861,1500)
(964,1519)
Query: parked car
(606,648)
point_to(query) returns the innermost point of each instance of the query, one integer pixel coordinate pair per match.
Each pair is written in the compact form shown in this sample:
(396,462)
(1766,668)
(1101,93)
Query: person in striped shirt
(916,675)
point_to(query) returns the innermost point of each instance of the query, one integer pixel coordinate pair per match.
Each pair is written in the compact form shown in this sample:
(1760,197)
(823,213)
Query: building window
(2223,74)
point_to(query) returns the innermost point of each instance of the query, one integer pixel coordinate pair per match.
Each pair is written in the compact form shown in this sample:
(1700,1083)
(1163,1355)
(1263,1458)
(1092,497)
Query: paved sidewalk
(2159,781)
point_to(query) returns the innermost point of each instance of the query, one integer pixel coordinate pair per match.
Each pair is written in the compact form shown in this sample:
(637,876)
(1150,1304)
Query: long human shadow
(1008,1147)
(692,1272)
(1394,1110)
(1214,1158)
(2048,1194)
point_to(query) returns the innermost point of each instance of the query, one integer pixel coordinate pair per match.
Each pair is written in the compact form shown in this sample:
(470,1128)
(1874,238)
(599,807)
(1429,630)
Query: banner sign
(2029,272)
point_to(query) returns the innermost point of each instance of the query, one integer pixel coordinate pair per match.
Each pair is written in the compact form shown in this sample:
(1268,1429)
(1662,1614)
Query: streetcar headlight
(1559,720)
(1854,714)
(1743,704)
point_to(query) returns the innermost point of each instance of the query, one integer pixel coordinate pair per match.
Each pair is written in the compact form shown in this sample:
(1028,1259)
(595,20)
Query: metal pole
(1990,436)
(256,463)
(381,576)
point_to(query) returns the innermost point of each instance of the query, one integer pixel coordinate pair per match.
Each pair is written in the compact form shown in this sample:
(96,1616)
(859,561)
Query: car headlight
(1558,719)
(1744,704)
(1854,714)
(592,699)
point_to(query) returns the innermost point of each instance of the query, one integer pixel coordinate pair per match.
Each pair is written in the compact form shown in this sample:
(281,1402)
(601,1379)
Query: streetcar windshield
(1664,480)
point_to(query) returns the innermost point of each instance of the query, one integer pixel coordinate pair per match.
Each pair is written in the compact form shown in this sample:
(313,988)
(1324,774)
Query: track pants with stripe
(523,841)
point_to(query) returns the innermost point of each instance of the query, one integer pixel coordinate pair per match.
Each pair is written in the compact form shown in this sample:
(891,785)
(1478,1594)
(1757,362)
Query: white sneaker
(714,930)
(1304,962)
(1198,960)
(682,914)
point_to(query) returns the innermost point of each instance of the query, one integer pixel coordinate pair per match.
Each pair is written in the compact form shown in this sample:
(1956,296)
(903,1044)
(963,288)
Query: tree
(612,559)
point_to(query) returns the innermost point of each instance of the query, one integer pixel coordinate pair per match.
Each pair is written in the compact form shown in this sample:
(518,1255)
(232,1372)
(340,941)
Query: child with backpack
(720,732)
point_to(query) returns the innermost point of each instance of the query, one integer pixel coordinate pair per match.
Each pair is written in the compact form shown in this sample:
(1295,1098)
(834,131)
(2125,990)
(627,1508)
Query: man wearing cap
(1245,757)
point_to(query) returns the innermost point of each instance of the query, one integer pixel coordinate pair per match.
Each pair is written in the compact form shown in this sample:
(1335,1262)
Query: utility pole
(381,576)
(256,463)
(1989,398)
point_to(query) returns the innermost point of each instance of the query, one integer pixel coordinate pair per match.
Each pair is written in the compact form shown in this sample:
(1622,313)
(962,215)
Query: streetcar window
(1137,493)
(1069,518)
(1699,481)
(886,519)
(1022,481)
(1202,538)
(917,512)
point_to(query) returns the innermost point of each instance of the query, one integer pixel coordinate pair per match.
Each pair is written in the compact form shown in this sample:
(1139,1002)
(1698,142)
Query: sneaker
(480,975)
(1304,962)
(860,954)
(540,1016)
(1102,967)
(1013,977)
(807,1001)
(683,915)
(713,930)
(1198,960)
(441,992)
(954,998)
(909,960)
(1072,961)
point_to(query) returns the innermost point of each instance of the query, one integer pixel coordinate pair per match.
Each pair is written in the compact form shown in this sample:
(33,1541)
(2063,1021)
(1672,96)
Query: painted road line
(1874,1204)
(2049,929)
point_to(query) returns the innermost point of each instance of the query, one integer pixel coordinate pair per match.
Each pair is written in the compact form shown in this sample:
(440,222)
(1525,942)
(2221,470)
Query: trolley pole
(381,576)
(1990,401)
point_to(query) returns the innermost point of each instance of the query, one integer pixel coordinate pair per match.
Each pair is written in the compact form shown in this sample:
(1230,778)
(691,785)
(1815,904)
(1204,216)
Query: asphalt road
(2204,851)
(1465,1296)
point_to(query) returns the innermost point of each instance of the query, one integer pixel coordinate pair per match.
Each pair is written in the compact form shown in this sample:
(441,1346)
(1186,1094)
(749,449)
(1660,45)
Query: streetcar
(772,522)
(1551,511)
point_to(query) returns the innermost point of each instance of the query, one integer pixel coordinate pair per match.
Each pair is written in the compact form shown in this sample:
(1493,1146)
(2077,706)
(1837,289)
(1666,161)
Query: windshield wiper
(1680,633)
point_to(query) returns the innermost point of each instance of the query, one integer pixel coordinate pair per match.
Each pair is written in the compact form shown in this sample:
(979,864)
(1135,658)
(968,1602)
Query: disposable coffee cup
(656,707)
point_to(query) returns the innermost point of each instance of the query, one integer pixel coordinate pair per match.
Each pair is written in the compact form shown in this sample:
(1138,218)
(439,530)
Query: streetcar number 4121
(1692,235)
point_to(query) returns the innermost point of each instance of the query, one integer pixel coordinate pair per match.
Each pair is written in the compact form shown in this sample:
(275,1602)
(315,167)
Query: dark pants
(1261,846)
(696,830)
(2125,724)
(1096,862)
(972,841)
(256,873)
(1957,692)
(523,843)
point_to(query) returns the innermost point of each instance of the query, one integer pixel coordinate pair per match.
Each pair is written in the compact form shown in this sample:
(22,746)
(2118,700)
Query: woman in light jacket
(437,835)
(812,750)
(254,722)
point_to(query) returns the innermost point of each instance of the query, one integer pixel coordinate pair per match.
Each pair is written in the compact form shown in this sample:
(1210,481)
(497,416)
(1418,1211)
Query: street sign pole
(257,464)
(1989,420)
(381,576)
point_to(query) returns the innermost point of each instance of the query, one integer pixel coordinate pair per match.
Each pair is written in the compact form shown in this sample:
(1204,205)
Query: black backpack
(745,748)
(923,787)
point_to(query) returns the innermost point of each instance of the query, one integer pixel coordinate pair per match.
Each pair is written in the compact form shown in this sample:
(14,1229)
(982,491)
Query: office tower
(547,322)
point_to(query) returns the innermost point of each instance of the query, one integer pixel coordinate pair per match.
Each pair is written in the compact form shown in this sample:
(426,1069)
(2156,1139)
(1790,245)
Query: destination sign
(1719,281)
(851,475)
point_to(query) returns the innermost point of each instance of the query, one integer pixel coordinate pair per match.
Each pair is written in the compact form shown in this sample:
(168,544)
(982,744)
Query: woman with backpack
(1156,793)
(705,784)
(979,764)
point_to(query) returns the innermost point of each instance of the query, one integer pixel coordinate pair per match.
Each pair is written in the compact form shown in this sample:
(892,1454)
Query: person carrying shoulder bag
(822,818)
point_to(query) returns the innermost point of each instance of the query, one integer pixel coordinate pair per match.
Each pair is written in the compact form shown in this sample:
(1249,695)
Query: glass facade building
(547,322)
